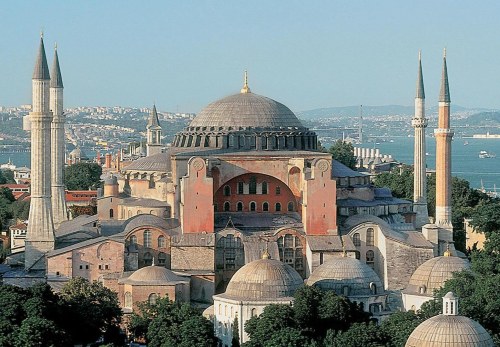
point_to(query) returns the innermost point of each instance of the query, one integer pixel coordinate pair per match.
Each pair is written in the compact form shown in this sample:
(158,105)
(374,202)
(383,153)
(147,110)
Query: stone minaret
(443,135)
(40,234)
(153,129)
(56,105)
(419,122)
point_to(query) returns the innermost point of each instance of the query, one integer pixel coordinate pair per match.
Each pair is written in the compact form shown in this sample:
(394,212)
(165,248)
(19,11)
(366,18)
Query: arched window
(253,206)
(291,251)
(356,240)
(252,186)
(148,259)
(265,206)
(370,258)
(227,190)
(239,206)
(133,240)
(161,241)
(128,300)
(370,237)
(139,212)
(162,258)
(277,207)
(227,206)
(253,312)
(345,290)
(278,190)
(373,288)
(240,188)
(147,238)
(152,298)
(230,252)
(111,213)
(264,187)
(422,289)
(290,206)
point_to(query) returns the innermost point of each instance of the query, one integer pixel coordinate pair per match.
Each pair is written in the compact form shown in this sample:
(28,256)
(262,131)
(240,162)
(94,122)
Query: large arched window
(356,240)
(264,187)
(230,253)
(162,258)
(370,237)
(239,206)
(277,207)
(291,251)
(152,298)
(252,185)
(265,206)
(133,240)
(161,241)
(147,238)
(227,206)
(227,190)
(253,206)
(128,300)
(290,206)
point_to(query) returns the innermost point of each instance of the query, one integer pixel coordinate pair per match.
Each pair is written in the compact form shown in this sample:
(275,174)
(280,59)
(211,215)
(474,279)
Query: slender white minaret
(40,233)
(59,210)
(443,135)
(419,122)
(153,130)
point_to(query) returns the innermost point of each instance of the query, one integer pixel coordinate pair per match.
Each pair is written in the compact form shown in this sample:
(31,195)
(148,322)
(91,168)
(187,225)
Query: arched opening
(111,213)
(152,298)
(356,240)
(253,206)
(148,259)
(162,258)
(227,190)
(147,238)
(290,206)
(370,258)
(227,206)
(161,241)
(128,300)
(265,206)
(370,237)
(264,187)
(277,207)
(373,288)
(239,206)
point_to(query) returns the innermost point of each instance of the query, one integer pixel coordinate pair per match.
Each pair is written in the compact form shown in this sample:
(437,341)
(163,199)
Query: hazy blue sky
(305,54)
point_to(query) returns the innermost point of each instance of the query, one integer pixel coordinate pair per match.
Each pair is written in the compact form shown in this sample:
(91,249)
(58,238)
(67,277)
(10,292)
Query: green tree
(92,310)
(168,323)
(396,329)
(344,153)
(82,176)
(358,335)
(39,331)
(235,341)
(7,177)
(486,217)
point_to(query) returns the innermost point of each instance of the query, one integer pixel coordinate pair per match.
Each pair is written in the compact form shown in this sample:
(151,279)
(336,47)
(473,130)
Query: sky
(183,55)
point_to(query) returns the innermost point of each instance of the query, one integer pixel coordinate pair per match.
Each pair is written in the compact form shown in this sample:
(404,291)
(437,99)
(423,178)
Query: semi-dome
(432,274)
(152,275)
(346,276)
(449,329)
(246,121)
(264,279)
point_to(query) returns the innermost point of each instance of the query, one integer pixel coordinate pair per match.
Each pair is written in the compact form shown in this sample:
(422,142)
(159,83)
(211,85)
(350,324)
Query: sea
(465,157)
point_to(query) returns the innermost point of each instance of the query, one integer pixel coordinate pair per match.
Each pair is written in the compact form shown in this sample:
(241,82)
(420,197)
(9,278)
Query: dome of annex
(152,275)
(264,279)
(432,274)
(346,276)
(246,121)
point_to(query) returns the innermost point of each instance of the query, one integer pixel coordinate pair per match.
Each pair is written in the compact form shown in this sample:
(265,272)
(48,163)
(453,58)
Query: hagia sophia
(240,211)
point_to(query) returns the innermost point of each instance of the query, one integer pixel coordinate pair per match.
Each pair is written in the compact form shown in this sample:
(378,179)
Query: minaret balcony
(419,122)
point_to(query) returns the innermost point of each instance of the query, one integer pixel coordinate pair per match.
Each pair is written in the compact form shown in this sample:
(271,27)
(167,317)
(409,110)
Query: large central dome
(246,110)
(246,121)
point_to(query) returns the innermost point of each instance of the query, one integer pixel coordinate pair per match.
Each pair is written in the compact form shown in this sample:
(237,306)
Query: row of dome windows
(252,206)
(370,238)
(161,241)
(252,188)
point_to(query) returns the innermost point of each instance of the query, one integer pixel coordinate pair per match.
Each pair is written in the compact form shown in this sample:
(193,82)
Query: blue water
(465,160)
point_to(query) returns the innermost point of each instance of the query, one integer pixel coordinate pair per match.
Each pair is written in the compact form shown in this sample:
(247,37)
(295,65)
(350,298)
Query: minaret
(40,234)
(153,130)
(443,135)
(419,122)
(59,210)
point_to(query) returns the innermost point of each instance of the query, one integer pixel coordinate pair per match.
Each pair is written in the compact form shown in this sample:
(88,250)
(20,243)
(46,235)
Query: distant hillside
(368,111)
(484,119)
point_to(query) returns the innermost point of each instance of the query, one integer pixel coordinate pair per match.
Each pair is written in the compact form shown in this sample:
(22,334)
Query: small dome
(434,272)
(342,272)
(449,331)
(111,180)
(264,279)
(152,275)
(246,110)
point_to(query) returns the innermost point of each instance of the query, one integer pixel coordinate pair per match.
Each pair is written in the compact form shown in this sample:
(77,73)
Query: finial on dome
(246,88)
(447,253)
(265,254)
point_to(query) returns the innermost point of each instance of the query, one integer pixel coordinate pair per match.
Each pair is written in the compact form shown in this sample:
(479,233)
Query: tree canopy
(7,177)
(39,317)
(344,153)
(170,324)
(82,176)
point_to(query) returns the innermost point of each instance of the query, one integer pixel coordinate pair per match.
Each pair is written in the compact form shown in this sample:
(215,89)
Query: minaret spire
(444,134)
(419,122)
(59,209)
(153,133)
(41,71)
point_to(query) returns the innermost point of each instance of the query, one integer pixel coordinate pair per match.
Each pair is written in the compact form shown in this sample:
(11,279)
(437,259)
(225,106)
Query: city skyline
(320,54)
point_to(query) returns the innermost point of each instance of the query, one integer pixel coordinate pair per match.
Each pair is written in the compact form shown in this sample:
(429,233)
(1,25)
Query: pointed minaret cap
(444,95)
(420,79)
(153,118)
(246,88)
(56,80)
(41,71)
